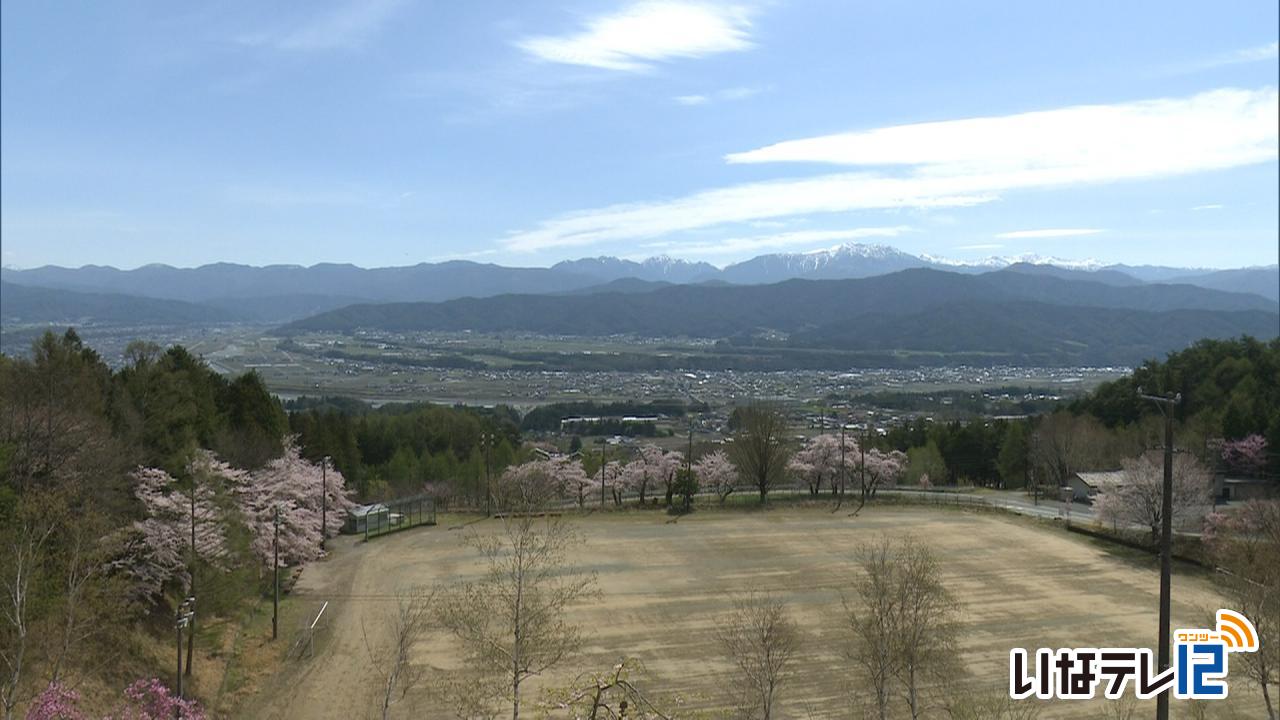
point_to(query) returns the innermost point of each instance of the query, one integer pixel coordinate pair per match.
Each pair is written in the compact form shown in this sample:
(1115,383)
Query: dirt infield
(1022,583)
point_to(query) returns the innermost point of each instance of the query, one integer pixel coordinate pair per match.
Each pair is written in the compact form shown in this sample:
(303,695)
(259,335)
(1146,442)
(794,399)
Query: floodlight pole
(1166,542)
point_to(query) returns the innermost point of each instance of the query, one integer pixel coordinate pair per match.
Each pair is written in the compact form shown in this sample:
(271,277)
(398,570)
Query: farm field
(1022,583)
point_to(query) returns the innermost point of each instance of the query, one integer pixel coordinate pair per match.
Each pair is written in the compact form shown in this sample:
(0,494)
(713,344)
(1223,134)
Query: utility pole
(688,469)
(840,500)
(181,619)
(486,444)
(324,500)
(604,445)
(275,566)
(177,628)
(1166,541)
(862,467)
(191,586)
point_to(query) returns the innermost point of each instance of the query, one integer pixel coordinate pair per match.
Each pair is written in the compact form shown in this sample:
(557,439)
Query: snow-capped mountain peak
(1003,261)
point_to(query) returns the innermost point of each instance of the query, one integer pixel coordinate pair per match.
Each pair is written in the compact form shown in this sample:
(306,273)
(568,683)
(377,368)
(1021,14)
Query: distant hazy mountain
(1108,277)
(836,313)
(425,281)
(326,286)
(660,268)
(1264,281)
(20,304)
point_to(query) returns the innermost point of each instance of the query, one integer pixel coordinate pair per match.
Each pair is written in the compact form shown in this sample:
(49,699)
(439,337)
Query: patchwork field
(1021,582)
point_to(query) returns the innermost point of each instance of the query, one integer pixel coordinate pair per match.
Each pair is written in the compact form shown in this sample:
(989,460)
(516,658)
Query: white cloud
(347,25)
(955,164)
(981,246)
(1211,206)
(1257,54)
(739,245)
(1216,129)
(728,94)
(1048,233)
(738,93)
(738,203)
(648,32)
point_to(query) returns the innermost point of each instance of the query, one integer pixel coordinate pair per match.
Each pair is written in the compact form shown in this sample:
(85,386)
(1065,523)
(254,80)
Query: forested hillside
(123,492)
(1229,419)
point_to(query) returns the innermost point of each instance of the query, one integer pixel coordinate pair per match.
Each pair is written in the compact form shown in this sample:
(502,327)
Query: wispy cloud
(739,245)
(980,246)
(738,203)
(347,25)
(728,94)
(644,33)
(1257,54)
(1211,206)
(955,164)
(1084,143)
(1048,233)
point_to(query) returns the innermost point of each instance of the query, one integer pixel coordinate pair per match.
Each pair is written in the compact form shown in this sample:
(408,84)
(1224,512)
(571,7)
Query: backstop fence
(402,514)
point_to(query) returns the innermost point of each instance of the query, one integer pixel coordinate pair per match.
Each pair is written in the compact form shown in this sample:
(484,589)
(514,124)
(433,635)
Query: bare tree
(23,554)
(511,621)
(759,448)
(990,705)
(872,619)
(610,695)
(1245,546)
(1138,498)
(761,639)
(405,628)
(904,623)
(927,624)
(1063,444)
(88,599)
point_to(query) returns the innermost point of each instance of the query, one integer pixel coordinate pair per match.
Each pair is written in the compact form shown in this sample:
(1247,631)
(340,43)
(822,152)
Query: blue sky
(386,132)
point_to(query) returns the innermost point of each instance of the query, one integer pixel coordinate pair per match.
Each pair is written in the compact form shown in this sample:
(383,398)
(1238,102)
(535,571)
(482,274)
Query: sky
(390,132)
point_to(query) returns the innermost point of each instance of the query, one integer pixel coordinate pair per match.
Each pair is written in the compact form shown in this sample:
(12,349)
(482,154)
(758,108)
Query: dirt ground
(1022,584)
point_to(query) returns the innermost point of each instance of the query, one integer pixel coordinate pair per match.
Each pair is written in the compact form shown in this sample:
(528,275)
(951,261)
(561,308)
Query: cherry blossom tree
(571,476)
(820,460)
(615,479)
(295,486)
(635,475)
(1137,498)
(529,484)
(717,473)
(538,482)
(160,547)
(663,465)
(1247,455)
(876,468)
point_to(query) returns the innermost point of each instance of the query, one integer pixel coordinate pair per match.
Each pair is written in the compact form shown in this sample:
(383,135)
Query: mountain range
(1022,314)
(274,294)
